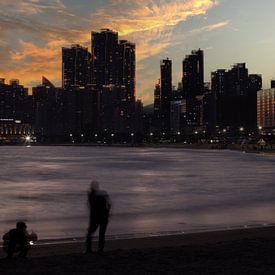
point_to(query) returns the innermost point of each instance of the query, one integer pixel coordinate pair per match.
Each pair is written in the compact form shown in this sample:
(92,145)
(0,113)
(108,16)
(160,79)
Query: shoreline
(238,251)
(61,246)
(148,235)
(160,241)
(157,234)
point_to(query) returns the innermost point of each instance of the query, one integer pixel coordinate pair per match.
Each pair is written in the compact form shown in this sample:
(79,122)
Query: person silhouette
(18,240)
(99,206)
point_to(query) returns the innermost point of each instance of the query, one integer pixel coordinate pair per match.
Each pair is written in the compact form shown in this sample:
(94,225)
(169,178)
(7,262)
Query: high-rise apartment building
(235,94)
(113,61)
(76,64)
(15,103)
(114,74)
(266,108)
(49,112)
(157,106)
(104,48)
(193,84)
(165,94)
(126,62)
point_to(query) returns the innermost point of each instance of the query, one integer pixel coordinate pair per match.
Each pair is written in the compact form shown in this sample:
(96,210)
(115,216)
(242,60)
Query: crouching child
(18,240)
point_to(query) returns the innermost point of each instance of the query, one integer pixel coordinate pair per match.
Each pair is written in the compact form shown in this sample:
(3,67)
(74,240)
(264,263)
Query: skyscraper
(266,108)
(15,102)
(76,62)
(250,106)
(113,61)
(236,97)
(193,84)
(49,112)
(127,68)
(218,88)
(165,94)
(114,73)
(157,105)
(237,80)
(104,47)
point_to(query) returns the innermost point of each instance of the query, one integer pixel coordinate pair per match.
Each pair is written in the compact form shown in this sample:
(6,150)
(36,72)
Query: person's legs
(11,249)
(92,228)
(102,230)
(24,248)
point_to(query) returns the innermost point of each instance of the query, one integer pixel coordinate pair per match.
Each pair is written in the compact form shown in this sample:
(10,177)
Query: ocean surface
(153,190)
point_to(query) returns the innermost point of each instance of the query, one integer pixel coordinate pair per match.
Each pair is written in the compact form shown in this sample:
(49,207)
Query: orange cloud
(144,15)
(31,62)
(31,7)
(211,27)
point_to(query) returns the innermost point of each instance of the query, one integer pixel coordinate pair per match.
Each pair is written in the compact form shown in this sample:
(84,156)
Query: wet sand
(242,251)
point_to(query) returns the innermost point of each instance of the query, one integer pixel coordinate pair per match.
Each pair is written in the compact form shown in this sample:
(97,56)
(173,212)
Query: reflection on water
(153,190)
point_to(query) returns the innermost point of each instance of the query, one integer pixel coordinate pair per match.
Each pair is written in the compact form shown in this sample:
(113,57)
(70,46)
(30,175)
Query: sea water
(153,190)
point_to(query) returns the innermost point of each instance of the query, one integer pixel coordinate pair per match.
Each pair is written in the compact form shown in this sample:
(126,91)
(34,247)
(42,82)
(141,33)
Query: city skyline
(33,33)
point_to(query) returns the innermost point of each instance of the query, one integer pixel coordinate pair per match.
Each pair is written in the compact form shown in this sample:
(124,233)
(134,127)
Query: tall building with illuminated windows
(193,85)
(113,61)
(237,88)
(114,74)
(165,94)
(266,108)
(157,104)
(126,63)
(76,62)
(104,48)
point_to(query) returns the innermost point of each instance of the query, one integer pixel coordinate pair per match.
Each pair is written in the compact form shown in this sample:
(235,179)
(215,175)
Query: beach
(238,251)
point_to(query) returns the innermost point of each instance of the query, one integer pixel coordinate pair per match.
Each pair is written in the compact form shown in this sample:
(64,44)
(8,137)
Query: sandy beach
(240,251)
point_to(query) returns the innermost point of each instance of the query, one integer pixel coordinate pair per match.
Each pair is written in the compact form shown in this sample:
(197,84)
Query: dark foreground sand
(245,251)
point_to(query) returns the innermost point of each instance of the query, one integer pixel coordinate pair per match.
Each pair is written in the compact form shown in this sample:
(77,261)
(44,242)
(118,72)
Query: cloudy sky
(32,33)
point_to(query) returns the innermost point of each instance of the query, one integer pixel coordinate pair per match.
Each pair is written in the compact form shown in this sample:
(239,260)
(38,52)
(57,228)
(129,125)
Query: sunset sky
(33,31)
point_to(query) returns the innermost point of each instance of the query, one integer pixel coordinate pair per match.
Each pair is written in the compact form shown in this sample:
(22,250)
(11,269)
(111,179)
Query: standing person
(99,205)
(18,240)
